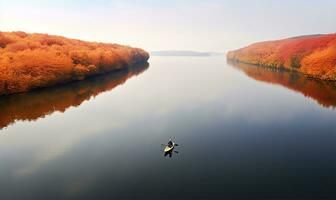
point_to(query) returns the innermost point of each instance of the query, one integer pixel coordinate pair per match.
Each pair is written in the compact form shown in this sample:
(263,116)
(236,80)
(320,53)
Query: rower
(170,143)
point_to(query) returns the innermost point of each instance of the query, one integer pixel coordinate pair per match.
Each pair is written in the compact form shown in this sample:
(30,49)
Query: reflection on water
(170,153)
(239,138)
(323,92)
(39,103)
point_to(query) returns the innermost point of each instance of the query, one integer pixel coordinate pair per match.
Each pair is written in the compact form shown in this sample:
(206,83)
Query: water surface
(244,132)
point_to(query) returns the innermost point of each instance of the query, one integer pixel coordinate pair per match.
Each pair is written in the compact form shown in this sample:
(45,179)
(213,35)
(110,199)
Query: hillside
(313,55)
(30,61)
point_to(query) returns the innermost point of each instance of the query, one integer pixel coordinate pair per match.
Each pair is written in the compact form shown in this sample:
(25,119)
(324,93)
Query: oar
(163,147)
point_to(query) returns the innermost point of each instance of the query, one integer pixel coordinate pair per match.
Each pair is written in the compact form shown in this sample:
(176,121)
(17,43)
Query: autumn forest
(313,55)
(29,61)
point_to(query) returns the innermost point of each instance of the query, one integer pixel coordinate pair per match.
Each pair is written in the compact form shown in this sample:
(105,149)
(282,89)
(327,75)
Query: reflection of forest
(324,92)
(39,103)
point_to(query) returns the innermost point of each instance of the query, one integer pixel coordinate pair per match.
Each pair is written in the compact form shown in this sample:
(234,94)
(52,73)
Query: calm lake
(244,132)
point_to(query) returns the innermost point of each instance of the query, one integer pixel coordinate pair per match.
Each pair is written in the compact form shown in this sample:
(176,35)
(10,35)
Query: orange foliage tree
(29,61)
(313,55)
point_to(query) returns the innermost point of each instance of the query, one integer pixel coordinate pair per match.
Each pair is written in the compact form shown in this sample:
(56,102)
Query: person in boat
(170,143)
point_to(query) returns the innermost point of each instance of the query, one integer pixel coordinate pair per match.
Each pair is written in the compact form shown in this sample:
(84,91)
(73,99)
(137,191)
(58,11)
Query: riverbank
(30,61)
(313,55)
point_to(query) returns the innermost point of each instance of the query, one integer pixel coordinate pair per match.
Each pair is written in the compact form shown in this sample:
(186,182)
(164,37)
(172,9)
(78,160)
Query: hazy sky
(208,25)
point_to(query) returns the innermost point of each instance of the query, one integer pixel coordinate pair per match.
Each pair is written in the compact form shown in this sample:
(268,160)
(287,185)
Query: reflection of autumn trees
(29,61)
(324,92)
(313,55)
(39,103)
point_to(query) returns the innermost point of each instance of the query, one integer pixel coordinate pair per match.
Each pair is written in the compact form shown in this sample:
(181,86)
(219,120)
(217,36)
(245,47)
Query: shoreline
(32,61)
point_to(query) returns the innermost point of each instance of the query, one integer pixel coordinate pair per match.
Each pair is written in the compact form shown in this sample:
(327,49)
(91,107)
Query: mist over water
(244,133)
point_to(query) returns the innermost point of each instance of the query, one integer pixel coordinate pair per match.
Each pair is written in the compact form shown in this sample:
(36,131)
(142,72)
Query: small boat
(169,148)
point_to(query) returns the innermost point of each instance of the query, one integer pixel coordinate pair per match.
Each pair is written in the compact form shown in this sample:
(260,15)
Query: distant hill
(313,55)
(29,61)
(184,53)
